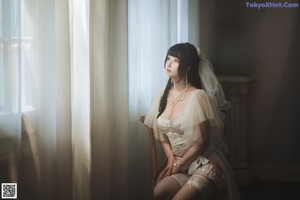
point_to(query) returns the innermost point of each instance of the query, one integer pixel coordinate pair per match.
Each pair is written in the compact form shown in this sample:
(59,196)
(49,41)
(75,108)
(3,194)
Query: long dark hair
(188,56)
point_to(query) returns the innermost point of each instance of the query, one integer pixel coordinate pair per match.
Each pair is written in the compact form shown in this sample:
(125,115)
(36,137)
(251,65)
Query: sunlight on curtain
(81,98)
(58,124)
(62,32)
(45,108)
(154,26)
(68,100)
(149,30)
(89,69)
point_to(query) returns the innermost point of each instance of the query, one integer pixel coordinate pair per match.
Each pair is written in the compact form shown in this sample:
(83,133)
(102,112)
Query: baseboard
(276,172)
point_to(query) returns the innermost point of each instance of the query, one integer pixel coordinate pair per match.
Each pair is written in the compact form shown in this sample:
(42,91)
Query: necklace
(173,101)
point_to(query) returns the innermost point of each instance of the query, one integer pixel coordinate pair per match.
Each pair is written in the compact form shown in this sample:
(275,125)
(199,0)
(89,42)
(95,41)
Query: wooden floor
(273,190)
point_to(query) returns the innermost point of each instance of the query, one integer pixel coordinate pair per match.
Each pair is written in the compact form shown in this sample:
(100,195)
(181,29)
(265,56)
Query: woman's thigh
(166,188)
(198,187)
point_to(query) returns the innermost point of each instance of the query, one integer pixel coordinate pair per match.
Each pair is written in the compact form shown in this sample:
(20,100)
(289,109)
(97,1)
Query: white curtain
(10,98)
(56,108)
(149,38)
(109,93)
(61,106)
(154,25)
(84,72)
(82,117)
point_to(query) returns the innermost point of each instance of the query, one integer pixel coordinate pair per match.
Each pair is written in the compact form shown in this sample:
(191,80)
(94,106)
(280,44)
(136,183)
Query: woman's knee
(166,188)
(159,193)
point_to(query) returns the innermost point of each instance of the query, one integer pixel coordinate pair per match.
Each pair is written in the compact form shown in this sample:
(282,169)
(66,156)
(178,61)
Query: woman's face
(171,66)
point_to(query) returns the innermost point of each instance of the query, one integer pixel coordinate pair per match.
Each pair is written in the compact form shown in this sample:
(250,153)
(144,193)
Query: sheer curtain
(57,114)
(154,26)
(79,73)
(10,99)
(80,118)
(109,93)
(61,111)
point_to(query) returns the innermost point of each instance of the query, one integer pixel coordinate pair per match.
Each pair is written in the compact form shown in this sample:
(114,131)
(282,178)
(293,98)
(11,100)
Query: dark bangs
(177,51)
(181,52)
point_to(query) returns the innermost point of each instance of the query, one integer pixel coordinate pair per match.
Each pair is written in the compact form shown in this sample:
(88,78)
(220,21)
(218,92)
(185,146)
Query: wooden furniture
(239,90)
(155,169)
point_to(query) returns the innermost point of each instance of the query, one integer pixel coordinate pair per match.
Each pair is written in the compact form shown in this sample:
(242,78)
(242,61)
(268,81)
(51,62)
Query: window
(16,47)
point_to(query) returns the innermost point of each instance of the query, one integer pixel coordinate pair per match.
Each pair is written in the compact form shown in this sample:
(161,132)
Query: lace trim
(200,161)
(212,173)
(202,184)
(181,178)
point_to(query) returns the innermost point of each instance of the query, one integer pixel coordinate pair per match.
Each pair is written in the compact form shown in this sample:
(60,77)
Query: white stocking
(166,189)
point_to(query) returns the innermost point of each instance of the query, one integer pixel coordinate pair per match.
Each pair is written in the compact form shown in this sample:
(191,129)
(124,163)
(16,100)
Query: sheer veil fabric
(211,84)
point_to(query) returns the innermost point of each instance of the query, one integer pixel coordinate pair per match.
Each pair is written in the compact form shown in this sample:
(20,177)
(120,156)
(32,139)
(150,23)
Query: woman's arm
(196,149)
(169,153)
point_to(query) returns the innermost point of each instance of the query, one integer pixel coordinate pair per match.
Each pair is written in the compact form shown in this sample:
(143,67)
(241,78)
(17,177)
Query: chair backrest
(153,147)
(155,169)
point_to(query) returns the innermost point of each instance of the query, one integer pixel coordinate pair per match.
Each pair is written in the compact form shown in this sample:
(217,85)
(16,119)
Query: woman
(187,119)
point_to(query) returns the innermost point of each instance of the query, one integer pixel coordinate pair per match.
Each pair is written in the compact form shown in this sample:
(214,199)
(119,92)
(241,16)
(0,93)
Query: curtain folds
(95,67)
(63,108)
(81,48)
(80,98)
(148,39)
(154,26)
(109,92)
(61,114)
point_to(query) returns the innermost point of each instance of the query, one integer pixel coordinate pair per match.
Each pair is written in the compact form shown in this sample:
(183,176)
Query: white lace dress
(183,130)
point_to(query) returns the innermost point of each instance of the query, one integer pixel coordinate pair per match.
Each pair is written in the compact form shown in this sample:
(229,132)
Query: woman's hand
(175,170)
(169,168)
(176,167)
(169,153)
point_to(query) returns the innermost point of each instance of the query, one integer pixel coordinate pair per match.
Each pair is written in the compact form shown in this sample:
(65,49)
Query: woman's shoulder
(199,93)
(198,96)
(159,94)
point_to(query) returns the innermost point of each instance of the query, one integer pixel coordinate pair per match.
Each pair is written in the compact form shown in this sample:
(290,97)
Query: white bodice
(171,128)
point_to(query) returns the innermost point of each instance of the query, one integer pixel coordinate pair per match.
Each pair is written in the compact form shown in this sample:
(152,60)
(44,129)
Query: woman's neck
(179,85)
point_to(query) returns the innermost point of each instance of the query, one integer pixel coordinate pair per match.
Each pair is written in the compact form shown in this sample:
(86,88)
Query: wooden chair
(155,170)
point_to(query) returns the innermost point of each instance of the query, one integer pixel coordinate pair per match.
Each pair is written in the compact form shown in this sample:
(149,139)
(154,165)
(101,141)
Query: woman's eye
(176,60)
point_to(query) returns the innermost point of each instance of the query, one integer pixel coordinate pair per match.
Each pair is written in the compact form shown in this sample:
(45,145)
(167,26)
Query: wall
(262,43)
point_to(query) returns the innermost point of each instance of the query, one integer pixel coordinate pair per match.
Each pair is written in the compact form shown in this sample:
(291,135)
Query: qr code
(9,190)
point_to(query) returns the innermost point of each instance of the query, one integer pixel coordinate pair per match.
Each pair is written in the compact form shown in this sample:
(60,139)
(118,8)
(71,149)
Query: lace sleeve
(198,110)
